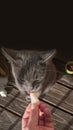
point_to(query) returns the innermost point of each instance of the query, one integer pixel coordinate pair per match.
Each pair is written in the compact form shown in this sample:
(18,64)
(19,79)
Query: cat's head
(29,68)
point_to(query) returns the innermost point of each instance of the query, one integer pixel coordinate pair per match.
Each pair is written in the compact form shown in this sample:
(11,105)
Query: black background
(63,46)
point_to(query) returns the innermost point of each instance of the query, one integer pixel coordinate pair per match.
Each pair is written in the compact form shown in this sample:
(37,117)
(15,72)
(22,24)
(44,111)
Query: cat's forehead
(28,53)
(33,56)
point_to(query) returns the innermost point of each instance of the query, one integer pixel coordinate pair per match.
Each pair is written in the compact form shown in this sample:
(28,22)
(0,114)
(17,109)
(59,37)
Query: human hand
(37,117)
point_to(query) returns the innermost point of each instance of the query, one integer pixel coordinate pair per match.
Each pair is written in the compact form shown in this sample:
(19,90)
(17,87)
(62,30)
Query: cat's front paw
(3,93)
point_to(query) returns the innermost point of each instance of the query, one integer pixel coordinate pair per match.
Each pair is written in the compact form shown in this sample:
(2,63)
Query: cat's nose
(28,92)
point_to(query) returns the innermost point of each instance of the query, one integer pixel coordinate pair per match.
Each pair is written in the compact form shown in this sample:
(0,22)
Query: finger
(41,119)
(27,111)
(41,122)
(42,106)
(48,118)
(45,118)
(45,128)
(47,115)
(34,114)
(24,123)
(50,125)
(25,117)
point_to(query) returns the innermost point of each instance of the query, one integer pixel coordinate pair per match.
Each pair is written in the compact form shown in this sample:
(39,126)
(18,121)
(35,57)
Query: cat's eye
(35,83)
(21,81)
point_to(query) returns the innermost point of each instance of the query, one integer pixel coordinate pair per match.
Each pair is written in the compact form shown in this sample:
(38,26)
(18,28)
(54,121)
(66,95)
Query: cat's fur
(29,70)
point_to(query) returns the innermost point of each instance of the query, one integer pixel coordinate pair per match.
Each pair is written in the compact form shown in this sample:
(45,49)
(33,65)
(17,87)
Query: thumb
(34,115)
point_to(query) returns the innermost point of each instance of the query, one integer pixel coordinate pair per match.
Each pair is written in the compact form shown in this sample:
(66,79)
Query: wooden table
(59,100)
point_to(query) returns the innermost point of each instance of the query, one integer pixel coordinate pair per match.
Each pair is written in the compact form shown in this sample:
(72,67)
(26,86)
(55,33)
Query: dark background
(28,44)
(64,47)
(60,44)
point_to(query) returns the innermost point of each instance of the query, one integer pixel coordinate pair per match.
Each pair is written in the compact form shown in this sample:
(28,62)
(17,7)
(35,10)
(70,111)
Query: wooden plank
(14,102)
(62,76)
(61,120)
(66,80)
(71,126)
(7,100)
(20,104)
(61,97)
(9,121)
(17,127)
(57,95)
(67,104)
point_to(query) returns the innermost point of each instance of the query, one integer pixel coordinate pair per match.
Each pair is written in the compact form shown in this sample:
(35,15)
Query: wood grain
(62,76)
(8,121)
(61,120)
(57,95)
(68,102)
(14,102)
(61,97)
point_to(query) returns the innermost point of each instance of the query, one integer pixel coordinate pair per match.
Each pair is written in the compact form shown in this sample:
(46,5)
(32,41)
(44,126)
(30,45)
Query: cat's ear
(49,55)
(9,54)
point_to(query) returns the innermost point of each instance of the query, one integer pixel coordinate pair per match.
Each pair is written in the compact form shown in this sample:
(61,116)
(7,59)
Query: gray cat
(28,71)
